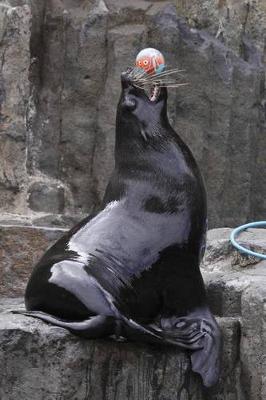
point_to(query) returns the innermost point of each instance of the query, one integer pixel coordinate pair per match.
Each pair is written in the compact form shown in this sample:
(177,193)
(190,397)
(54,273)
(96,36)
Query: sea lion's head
(142,108)
(139,92)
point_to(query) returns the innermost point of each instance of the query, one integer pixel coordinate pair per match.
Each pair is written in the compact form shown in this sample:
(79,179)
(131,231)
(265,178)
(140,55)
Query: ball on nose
(150,60)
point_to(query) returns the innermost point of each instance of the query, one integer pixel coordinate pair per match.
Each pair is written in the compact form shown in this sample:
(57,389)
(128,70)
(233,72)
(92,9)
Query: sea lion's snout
(129,101)
(126,78)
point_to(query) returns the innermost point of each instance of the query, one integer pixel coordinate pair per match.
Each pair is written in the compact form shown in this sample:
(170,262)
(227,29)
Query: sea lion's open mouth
(153,92)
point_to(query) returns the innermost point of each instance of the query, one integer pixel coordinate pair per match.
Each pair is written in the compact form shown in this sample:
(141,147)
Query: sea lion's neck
(135,137)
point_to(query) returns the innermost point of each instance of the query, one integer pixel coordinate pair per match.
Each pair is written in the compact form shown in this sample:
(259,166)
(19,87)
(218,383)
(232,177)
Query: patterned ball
(151,60)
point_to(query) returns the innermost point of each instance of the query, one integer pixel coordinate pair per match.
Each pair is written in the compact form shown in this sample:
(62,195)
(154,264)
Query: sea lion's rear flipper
(206,359)
(91,328)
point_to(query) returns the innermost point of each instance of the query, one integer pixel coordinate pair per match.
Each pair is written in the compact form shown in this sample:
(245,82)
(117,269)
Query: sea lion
(132,270)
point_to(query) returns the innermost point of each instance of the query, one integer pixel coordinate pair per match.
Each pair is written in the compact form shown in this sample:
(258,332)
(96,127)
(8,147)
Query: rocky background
(60,65)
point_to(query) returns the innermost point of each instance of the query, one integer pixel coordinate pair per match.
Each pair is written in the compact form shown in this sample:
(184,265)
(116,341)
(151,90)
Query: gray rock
(221,253)
(253,341)
(229,20)
(61,74)
(21,247)
(46,198)
(127,12)
(103,368)
(217,118)
(41,220)
(228,387)
(46,362)
(163,34)
(57,220)
(14,94)
(73,68)
(238,290)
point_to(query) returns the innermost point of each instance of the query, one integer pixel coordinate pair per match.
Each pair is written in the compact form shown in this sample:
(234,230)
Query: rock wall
(233,22)
(59,85)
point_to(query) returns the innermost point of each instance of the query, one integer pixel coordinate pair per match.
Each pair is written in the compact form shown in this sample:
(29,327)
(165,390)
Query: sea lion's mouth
(153,92)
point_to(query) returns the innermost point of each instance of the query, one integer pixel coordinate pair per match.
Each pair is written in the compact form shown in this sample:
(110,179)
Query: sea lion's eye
(145,62)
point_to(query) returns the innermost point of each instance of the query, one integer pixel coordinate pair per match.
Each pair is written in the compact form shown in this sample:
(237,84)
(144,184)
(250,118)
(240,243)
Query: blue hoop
(242,249)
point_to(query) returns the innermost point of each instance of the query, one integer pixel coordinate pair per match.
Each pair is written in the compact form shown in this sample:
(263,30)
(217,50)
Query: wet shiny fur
(132,270)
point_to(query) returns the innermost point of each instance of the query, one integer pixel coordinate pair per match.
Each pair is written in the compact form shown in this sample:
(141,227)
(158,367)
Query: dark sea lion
(132,270)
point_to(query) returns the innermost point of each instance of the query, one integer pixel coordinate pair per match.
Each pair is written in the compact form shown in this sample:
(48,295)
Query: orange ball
(150,60)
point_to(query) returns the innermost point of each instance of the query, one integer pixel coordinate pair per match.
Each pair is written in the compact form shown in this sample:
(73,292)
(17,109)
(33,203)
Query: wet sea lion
(132,270)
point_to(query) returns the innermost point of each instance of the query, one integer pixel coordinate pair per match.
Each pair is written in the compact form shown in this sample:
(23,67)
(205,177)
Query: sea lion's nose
(125,79)
(128,101)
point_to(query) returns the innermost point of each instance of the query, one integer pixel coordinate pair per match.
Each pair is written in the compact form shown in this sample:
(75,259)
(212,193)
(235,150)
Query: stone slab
(236,288)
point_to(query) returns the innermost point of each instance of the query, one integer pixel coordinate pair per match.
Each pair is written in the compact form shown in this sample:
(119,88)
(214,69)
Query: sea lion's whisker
(137,82)
(175,85)
(166,73)
(166,81)
(140,79)
(154,74)
(133,75)
(145,81)
(140,74)
(158,80)
(139,87)
(159,83)
(151,75)
(143,78)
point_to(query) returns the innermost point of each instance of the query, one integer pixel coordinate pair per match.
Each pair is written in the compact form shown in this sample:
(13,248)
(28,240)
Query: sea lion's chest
(128,233)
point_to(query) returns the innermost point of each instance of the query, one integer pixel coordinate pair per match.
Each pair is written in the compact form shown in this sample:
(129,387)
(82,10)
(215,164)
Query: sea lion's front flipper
(206,359)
